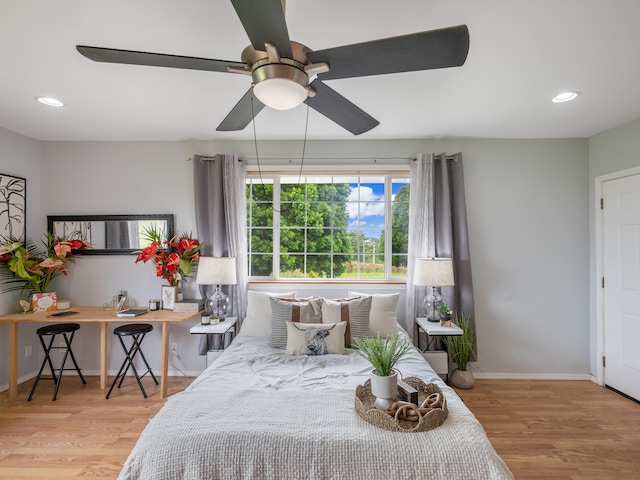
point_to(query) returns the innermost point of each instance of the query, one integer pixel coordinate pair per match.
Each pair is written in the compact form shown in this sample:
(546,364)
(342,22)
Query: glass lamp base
(218,304)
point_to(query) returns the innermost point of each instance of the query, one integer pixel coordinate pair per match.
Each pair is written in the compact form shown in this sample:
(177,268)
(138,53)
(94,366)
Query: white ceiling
(521,54)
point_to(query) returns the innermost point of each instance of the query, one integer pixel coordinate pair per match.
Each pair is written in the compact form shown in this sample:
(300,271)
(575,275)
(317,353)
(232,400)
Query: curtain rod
(413,158)
(289,159)
(189,159)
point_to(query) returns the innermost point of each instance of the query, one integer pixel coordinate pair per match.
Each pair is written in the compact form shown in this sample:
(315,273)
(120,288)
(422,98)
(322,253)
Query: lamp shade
(435,272)
(216,271)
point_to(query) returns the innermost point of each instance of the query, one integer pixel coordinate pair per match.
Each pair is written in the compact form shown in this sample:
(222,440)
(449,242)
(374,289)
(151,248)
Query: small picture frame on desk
(169,295)
(44,302)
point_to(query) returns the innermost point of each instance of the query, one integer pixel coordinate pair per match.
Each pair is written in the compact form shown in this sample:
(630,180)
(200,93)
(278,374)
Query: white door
(621,241)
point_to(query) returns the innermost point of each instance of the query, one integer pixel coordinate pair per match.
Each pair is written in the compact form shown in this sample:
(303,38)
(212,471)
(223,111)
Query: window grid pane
(329,227)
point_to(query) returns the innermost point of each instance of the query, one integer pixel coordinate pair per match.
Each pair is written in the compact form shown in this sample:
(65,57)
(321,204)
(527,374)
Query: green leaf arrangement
(460,347)
(383,352)
(31,269)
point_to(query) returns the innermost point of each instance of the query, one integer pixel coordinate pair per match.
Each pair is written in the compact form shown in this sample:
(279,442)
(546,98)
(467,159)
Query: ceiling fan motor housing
(280,85)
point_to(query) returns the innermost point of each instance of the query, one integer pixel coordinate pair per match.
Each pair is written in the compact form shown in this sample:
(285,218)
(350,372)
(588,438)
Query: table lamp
(436,273)
(217,271)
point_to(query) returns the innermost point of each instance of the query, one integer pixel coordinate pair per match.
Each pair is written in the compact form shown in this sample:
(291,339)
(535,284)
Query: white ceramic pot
(462,379)
(384,389)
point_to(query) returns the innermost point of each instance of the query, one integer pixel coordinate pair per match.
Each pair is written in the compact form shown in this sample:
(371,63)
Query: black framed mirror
(109,234)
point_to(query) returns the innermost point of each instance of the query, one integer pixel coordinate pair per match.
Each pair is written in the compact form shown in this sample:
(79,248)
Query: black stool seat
(57,328)
(133,329)
(52,330)
(136,331)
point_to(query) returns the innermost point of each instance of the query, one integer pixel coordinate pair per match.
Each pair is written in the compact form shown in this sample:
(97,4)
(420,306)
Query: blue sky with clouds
(368,199)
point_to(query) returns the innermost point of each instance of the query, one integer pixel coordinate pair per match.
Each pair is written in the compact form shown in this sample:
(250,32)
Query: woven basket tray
(364,400)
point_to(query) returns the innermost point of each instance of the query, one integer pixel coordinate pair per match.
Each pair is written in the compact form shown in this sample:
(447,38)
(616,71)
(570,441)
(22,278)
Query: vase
(179,294)
(385,389)
(462,379)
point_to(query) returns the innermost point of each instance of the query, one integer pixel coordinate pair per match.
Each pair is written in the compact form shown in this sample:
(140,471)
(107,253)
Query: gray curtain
(117,235)
(439,229)
(220,205)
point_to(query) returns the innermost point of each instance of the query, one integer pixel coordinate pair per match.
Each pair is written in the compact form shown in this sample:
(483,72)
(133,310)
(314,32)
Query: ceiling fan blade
(241,115)
(337,108)
(130,57)
(446,47)
(264,22)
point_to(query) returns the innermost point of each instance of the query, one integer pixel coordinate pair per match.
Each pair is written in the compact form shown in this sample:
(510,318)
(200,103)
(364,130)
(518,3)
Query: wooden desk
(92,315)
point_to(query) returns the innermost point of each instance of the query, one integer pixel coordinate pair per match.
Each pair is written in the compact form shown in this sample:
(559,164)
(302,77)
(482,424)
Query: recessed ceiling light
(52,102)
(565,97)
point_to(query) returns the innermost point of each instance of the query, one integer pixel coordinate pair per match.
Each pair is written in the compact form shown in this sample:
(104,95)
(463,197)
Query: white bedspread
(257,413)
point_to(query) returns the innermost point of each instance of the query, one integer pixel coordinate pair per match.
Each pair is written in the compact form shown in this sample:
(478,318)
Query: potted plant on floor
(460,347)
(383,353)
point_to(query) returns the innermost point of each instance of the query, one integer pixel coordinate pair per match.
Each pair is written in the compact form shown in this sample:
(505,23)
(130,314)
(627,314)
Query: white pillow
(257,323)
(315,338)
(383,318)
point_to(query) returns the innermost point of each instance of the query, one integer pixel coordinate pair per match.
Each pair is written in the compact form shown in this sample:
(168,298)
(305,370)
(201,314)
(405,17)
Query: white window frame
(273,177)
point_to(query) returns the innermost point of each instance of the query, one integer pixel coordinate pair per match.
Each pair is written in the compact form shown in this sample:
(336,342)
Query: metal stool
(53,330)
(136,331)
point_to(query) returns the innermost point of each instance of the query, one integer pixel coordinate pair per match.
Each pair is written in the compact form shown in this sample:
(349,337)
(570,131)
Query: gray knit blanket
(259,414)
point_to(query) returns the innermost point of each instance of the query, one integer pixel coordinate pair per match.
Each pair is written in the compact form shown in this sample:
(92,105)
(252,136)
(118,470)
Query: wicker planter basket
(364,403)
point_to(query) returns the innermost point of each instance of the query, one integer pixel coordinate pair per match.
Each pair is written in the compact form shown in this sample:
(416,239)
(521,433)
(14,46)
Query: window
(328,227)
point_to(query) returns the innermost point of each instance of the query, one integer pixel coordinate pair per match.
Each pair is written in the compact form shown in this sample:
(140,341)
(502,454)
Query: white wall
(611,151)
(528,220)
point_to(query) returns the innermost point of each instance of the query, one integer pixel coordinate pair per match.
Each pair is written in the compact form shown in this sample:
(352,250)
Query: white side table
(438,359)
(221,329)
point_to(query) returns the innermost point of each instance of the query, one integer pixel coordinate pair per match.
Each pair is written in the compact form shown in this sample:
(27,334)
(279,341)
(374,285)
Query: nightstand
(438,359)
(218,329)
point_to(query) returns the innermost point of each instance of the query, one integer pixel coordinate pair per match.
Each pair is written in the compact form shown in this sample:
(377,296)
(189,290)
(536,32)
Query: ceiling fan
(286,73)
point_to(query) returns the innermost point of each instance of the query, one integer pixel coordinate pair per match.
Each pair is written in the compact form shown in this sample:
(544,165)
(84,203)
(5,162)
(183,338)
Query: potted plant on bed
(460,347)
(383,353)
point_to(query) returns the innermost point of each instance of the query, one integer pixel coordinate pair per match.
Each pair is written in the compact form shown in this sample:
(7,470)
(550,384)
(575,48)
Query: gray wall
(20,156)
(528,217)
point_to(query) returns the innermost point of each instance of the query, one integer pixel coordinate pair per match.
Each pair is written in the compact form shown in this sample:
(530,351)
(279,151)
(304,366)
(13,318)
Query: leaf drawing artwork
(13,207)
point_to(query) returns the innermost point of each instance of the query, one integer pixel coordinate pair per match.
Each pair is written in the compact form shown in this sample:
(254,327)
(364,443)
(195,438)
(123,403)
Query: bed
(260,413)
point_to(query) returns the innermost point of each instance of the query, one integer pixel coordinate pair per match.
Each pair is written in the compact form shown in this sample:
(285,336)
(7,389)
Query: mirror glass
(109,234)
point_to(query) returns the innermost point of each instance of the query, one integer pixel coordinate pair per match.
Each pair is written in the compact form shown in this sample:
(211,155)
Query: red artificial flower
(61,249)
(78,244)
(189,244)
(148,253)
(173,258)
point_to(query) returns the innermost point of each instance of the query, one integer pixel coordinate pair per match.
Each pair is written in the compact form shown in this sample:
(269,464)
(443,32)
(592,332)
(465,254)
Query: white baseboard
(532,376)
(96,373)
(479,376)
(24,378)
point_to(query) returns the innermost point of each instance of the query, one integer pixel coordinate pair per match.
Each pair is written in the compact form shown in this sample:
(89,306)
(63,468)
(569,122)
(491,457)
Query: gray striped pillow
(355,311)
(283,310)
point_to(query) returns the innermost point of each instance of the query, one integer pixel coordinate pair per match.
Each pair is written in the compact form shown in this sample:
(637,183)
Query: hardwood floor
(542,429)
(559,430)
(80,435)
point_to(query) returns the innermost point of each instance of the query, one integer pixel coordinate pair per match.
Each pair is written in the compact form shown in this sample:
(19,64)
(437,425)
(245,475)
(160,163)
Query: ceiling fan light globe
(280,86)
(280,93)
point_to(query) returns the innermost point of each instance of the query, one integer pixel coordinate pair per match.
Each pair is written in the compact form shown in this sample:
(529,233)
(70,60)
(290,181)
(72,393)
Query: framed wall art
(169,296)
(13,207)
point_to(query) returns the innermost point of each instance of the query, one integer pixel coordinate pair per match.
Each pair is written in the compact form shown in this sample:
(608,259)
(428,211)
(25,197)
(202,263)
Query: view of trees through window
(317,227)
